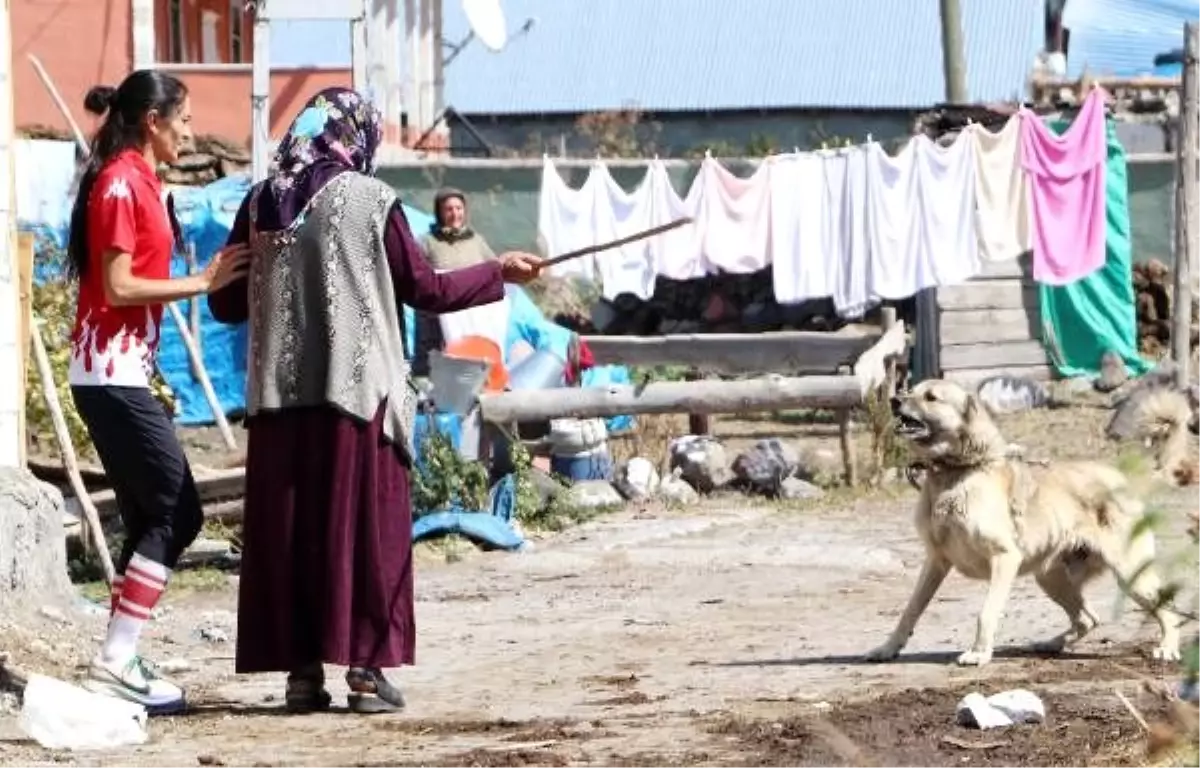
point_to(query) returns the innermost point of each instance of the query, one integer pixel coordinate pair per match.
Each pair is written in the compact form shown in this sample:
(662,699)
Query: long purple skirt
(327,560)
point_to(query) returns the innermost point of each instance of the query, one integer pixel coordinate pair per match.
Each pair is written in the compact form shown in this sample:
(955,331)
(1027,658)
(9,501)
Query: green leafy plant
(446,478)
(53,304)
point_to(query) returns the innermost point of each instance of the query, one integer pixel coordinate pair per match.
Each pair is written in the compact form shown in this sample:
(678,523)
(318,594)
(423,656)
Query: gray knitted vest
(324,319)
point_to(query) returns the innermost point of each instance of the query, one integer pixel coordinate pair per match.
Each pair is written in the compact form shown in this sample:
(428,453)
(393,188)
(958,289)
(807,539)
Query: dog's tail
(1163,418)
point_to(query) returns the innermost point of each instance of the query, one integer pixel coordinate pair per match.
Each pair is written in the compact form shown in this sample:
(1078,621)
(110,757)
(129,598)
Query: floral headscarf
(337,131)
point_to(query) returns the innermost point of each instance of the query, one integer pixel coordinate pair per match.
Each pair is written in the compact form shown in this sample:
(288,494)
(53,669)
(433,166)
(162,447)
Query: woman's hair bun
(99,98)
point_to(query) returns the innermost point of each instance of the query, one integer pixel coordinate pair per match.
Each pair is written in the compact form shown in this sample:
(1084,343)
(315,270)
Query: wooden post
(67,449)
(189,256)
(887,321)
(846,438)
(25,305)
(698,423)
(1187,206)
(202,377)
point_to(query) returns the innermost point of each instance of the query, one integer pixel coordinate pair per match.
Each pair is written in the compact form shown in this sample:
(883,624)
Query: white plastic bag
(59,715)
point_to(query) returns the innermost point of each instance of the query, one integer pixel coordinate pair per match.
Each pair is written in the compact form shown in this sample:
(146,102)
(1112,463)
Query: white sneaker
(135,680)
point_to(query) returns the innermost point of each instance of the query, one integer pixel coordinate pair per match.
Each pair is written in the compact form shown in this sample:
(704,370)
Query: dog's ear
(972,408)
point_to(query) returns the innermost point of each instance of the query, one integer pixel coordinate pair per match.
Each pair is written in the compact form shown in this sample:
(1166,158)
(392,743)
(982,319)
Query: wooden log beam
(217,485)
(771,393)
(785,352)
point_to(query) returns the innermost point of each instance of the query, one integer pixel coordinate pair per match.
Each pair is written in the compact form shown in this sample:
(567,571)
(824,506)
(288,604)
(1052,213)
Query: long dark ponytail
(124,109)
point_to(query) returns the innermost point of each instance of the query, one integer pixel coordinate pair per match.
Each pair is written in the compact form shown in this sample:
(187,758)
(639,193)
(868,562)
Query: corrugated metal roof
(1122,37)
(663,55)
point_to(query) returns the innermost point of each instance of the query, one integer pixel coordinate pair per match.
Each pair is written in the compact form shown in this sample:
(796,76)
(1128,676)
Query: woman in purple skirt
(327,574)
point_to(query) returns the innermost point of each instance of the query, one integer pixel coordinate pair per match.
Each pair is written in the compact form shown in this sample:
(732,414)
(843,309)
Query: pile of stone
(699,465)
(210,158)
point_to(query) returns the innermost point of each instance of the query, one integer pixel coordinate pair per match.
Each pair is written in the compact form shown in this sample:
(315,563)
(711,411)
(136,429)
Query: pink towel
(1066,189)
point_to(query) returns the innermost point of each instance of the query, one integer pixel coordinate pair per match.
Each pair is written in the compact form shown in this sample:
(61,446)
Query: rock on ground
(33,552)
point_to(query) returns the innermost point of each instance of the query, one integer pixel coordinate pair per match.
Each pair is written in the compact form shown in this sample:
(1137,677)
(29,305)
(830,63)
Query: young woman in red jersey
(121,241)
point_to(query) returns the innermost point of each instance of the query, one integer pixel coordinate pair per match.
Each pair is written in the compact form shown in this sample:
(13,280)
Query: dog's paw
(974,658)
(885,652)
(1166,653)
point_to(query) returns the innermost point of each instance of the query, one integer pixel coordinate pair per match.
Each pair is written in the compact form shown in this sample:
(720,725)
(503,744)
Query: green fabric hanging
(1083,320)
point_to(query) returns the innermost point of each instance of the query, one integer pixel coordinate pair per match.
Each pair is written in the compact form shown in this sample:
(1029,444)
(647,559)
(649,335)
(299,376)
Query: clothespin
(870,138)
(795,150)
(824,145)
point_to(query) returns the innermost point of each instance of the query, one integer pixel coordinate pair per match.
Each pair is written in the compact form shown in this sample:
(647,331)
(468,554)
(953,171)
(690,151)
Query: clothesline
(851,223)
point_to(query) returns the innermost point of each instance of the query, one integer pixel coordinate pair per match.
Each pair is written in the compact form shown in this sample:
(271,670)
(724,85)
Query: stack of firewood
(1152,285)
(210,157)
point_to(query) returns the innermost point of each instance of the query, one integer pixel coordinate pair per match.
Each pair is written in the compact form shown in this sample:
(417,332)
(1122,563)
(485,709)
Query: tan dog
(993,517)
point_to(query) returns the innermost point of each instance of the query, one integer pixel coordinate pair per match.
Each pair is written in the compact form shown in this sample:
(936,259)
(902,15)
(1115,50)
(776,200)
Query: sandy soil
(728,633)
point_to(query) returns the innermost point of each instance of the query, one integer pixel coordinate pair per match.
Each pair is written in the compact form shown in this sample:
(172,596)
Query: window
(237,16)
(175,51)
(209,52)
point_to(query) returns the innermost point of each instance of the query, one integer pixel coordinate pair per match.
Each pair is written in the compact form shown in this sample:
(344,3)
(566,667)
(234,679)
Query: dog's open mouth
(910,427)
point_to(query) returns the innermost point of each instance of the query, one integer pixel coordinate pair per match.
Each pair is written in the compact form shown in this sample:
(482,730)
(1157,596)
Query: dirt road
(657,637)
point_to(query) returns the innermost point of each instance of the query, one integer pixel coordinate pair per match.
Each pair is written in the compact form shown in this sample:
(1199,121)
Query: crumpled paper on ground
(1001,710)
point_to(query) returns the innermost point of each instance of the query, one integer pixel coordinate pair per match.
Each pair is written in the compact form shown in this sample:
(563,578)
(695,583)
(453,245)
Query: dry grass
(649,438)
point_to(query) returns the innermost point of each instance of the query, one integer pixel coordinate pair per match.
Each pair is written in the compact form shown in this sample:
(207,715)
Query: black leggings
(147,468)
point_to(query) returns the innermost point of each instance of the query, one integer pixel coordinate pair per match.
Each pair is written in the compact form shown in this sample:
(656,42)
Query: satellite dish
(486,18)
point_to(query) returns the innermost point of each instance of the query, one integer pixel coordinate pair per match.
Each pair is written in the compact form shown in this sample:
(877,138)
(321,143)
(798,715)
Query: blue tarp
(206,215)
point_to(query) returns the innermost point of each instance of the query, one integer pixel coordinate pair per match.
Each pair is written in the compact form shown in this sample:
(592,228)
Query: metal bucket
(457,381)
(541,370)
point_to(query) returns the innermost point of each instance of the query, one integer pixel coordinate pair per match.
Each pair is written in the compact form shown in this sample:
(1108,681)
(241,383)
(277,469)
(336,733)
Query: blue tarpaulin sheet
(206,215)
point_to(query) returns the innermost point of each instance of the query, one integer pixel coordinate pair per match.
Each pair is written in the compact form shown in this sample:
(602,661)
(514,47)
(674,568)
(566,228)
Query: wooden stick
(189,256)
(67,449)
(62,105)
(25,302)
(618,242)
(202,376)
(846,440)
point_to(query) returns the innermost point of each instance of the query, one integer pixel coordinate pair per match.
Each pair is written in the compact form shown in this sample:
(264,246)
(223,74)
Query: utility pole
(954,60)
(927,362)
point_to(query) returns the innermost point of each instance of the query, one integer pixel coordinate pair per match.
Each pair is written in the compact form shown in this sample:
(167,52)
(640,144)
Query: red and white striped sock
(118,581)
(144,583)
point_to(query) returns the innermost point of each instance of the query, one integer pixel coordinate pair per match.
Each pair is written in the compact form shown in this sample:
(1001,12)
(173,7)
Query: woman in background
(451,243)
(121,241)
(327,561)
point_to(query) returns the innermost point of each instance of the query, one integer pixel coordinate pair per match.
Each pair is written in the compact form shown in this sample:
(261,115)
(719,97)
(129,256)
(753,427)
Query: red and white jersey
(116,345)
